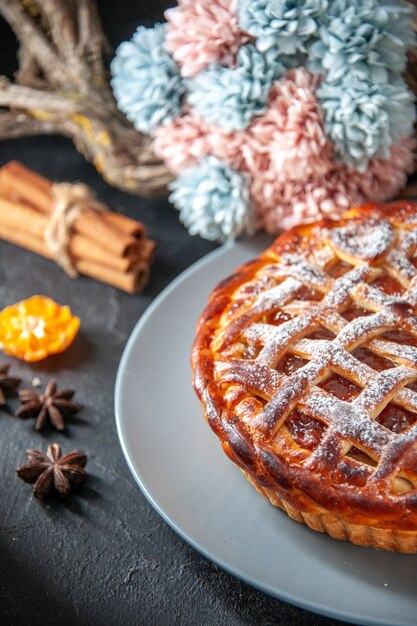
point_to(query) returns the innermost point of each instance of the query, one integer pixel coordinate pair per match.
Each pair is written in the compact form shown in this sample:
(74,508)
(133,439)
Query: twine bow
(70,200)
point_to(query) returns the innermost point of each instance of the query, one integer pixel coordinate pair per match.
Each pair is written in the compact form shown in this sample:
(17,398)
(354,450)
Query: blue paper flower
(285,23)
(231,97)
(213,200)
(364,119)
(146,81)
(366,38)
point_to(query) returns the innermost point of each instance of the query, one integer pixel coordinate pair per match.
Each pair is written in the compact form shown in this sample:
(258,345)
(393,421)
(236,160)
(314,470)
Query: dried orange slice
(37,327)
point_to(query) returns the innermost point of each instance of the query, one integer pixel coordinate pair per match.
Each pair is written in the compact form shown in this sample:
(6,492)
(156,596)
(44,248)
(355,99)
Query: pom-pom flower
(146,81)
(365,39)
(213,200)
(287,24)
(273,113)
(231,97)
(203,32)
(384,178)
(282,203)
(185,141)
(364,119)
(182,143)
(291,131)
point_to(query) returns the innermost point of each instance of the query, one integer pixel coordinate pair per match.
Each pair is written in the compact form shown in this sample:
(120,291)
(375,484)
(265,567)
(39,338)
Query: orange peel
(37,327)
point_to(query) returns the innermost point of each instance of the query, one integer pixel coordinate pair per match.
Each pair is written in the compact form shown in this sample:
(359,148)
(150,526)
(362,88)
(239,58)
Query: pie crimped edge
(321,294)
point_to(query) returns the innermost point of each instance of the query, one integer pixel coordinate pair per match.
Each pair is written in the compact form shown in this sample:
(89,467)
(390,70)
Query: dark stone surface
(104,556)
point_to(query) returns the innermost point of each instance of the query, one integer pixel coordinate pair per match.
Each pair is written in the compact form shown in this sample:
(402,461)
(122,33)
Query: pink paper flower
(232,147)
(385,178)
(291,132)
(203,32)
(182,143)
(281,203)
(186,140)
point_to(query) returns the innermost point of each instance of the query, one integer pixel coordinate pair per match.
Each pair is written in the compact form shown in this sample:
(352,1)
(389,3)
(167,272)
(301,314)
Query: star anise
(7,383)
(50,472)
(51,405)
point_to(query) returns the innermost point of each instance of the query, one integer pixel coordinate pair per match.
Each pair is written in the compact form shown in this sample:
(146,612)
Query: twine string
(70,201)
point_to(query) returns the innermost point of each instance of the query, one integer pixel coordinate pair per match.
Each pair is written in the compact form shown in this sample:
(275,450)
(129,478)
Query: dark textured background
(104,556)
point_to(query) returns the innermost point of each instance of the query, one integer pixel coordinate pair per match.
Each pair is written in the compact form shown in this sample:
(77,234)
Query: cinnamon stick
(131,281)
(125,224)
(107,246)
(20,183)
(22,217)
(30,223)
(14,180)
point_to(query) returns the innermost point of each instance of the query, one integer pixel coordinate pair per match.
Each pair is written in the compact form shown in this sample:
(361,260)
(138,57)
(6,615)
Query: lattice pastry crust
(305,361)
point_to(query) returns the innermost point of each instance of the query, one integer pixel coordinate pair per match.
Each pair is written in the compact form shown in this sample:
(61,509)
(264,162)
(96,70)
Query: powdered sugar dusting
(363,328)
(368,246)
(383,387)
(323,257)
(411,295)
(277,338)
(367,239)
(309,274)
(341,289)
(408,243)
(279,295)
(373,298)
(251,375)
(348,420)
(289,394)
(403,354)
(403,269)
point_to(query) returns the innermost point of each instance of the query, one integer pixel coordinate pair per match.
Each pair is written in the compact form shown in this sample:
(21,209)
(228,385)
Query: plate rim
(295,600)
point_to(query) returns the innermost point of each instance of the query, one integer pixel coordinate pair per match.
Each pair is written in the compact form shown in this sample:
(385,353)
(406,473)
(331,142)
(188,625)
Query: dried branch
(19,96)
(26,31)
(60,18)
(29,73)
(62,87)
(91,40)
(14,124)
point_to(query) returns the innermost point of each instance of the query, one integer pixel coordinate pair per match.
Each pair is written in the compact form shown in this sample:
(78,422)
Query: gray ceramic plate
(181,469)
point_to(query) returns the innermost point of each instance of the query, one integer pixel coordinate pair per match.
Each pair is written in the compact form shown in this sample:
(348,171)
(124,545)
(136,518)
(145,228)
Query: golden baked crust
(305,361)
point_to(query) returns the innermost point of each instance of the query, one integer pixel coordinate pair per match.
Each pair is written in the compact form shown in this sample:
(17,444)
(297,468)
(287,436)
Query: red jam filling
(306,431)
(396,418)
(290,364)
(341,388)
(388,285)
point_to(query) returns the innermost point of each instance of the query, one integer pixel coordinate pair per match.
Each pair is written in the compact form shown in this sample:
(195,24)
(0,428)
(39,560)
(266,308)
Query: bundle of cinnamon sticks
(109,247)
